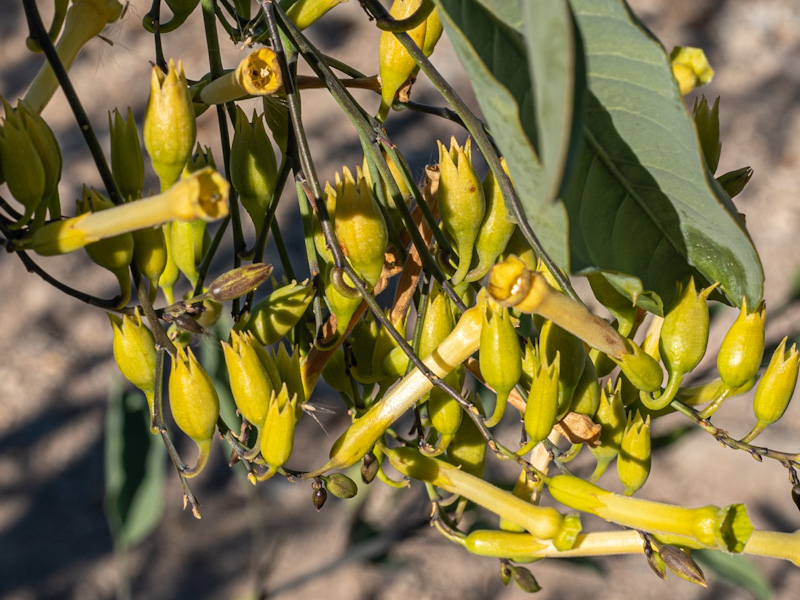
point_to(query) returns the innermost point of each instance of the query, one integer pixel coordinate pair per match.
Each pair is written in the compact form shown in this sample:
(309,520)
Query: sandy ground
(56,368)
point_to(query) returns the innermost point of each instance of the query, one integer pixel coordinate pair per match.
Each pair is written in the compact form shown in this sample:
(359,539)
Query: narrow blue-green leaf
(736,570)
(641,203)
(134,466)
(556,69)
(494,56)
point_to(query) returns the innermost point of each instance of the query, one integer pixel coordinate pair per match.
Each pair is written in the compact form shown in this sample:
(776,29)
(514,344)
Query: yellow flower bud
(554,341)
(461,202)
(542,404)
(277,435)
(776,388)
(360,227)
(396,64)
(135,354)
(633,463)
(84,20)
(250,384)
(194,404)
(742,348)
(500,356)
(610,416)
(169,123)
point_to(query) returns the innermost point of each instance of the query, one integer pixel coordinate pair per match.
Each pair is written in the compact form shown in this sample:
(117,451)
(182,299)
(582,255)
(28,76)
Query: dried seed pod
(369,467)
(682,564)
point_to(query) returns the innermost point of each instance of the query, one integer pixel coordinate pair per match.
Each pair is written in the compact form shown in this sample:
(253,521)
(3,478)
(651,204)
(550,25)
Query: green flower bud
(496,229)
(733,182)
(620,307)
(113,253)
(187,241)
(467,449)
(524,580)
(335,373)
(169,124)
(542,406)
(641,369)
(44,140)
(610,416)
(500,356)
(586,398)
(633,463)
(445,412)
(21,164)
(437,322)
(340,485)
(775,389)
(170,273)
(135,353)
(344,307)
(127,163)
(396,64)
(194,404)
(690,67)
(277,435)
(250,384)
(391,207)
(287,368)
(253,172)
(305,12)
(519,247)
(360,227)
(461,202)
(554,341)
(274,316)
(706,121)
(742,348)
(85,19)
(683,340)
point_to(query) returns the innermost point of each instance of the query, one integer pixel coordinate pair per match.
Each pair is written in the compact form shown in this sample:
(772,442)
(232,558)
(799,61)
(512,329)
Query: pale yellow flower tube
(259,74)
(85,19)
(204,196)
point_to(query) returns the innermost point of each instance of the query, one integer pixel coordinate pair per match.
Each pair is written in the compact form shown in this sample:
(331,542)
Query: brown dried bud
(238,282)
(796,494)
(370,466)
(682,564)
(525,580)
(318,497)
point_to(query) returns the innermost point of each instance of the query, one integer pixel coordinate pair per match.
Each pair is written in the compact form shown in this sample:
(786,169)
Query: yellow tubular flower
(85,19)
(204,196)
(259,74)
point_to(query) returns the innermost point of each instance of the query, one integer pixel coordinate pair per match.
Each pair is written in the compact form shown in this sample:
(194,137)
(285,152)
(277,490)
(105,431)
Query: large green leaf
(134,465)
(493,53)
(642,205)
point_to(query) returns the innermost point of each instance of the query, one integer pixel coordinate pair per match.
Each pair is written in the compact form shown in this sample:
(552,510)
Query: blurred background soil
(56,365)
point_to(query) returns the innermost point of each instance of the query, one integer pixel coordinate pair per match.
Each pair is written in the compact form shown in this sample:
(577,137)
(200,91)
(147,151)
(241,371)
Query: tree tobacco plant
(573,94)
